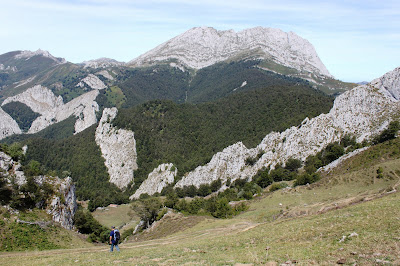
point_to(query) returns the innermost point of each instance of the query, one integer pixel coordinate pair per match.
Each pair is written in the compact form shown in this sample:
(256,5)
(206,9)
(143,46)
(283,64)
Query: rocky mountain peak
(204,46)
(389,82)
(29,54)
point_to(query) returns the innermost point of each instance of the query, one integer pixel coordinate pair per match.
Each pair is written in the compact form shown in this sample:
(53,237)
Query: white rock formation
(52,109)
(93,82)
(29,54)
(38,98)
(102,63)
(63,204)
(118,148)
(201,47)
(8,126)
(161,176)
(364,111)
(105,74)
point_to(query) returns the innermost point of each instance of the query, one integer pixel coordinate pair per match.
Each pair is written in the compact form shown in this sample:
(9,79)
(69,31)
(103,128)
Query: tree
(147,209)
(293,164)
(389,133)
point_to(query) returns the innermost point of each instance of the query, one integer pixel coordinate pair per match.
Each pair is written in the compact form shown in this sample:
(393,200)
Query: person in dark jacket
(113,241)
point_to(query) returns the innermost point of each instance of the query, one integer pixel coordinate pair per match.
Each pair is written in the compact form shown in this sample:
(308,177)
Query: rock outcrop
(161,176)
(118,148)
(63,204)
(363,112)
(201,47)
(52,109)
(93,82)
(102,63)
(8,126)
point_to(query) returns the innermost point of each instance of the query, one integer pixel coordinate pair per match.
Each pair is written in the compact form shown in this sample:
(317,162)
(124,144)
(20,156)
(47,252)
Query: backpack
(117,235)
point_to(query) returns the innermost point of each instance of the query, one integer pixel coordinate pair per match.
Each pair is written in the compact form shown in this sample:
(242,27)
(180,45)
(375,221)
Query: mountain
(201,47)
(280,52)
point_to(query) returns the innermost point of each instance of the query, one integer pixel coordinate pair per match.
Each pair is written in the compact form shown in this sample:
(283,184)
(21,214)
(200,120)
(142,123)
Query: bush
(277,186)
(293,164)
(306,179)
(262,178)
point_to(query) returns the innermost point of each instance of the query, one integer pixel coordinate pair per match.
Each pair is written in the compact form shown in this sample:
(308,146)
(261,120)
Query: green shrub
(306,178)
(277,186)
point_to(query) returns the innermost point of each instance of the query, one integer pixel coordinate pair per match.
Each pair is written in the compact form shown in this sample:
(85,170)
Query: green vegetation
(86,224)
(33,230)
(189,135)
(21,113)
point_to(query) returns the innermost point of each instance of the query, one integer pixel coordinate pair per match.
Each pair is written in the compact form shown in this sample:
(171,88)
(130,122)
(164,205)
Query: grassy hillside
(44,235)
(350,216)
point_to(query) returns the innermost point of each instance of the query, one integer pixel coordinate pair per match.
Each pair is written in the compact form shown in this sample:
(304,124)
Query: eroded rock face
(8,126)
(63,204)
(364,112)
(93,82)
(52,109)
(161,176)
(118,148)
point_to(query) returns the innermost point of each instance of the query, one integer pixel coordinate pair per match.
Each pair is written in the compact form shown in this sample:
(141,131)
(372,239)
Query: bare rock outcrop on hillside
(62,205)
(8,126)
(93,82)
(161,176)
(52,109)
(118,148)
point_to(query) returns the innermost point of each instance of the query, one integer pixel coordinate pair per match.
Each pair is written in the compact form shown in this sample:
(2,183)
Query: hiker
(114,238)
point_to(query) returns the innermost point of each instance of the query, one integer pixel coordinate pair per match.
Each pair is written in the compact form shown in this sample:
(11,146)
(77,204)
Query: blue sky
(356,40)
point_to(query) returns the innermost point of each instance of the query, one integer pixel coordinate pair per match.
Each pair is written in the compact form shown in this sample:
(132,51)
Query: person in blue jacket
(113,241)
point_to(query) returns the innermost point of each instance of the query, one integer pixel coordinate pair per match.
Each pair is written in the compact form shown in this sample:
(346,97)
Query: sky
(356,40)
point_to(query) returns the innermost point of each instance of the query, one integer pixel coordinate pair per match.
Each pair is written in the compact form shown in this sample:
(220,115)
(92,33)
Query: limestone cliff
(8,126)
(161,176)
(118,148)
(52,109)
(63,204)
(364,111)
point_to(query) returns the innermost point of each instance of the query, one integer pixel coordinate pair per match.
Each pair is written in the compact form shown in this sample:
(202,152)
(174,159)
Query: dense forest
(188,135)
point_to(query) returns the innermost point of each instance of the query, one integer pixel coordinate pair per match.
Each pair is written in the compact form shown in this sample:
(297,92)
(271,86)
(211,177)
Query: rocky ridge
(29,54)
(201,47)
(52,109)
(159,178)
(364,111)
(118,148)
(102,63)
